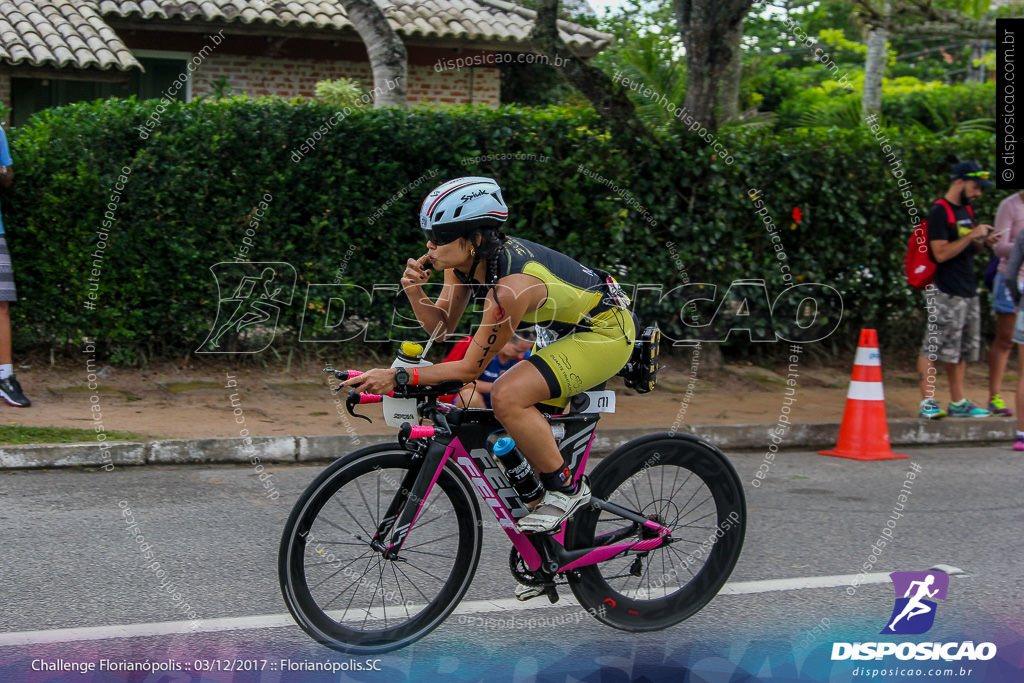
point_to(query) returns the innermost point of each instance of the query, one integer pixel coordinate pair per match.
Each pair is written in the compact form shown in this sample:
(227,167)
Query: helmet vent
(458,210)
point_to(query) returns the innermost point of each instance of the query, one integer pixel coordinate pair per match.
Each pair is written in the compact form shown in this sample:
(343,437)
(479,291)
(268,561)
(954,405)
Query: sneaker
(10,391)
(966,409)
(554,508)
(997,406)
(930,410)
(1018,445)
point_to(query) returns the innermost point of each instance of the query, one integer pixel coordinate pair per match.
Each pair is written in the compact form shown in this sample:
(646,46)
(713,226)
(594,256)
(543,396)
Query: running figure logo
(250,297)
(914,613)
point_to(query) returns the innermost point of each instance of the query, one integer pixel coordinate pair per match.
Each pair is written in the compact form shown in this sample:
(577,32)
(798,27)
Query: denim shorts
(1018,328)
(1001,301)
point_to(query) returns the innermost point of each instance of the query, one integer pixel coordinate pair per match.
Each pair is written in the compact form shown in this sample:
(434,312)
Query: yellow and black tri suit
(595,332)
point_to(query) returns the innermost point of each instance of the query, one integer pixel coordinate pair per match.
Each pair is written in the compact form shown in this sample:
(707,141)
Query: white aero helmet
(457,207)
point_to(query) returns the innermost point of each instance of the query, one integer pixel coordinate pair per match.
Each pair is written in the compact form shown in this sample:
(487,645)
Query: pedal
(524,593)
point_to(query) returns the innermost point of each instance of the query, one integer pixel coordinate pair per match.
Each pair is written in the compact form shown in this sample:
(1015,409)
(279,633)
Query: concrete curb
(302,449)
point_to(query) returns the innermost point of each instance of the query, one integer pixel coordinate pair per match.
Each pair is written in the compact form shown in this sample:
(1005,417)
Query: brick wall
(5,92)
(290,77)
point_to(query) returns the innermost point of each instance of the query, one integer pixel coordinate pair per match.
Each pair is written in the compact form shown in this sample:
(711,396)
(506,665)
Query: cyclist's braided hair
(493,239)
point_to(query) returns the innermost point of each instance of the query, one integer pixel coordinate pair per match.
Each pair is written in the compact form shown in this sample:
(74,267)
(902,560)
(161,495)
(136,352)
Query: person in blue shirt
(10,389)
(477,394)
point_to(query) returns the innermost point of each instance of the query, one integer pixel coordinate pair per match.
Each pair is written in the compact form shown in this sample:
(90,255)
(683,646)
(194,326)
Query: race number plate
(594,402)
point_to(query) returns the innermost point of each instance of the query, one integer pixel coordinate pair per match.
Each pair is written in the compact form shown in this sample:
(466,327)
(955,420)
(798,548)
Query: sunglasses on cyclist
(433,237)
(978,174)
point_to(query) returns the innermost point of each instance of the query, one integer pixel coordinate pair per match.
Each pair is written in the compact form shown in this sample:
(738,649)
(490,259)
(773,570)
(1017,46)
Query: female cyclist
(523,283)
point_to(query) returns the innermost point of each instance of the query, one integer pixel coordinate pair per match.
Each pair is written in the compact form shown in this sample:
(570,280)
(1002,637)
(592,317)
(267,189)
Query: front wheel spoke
(401,593)
(356,520)
(420,525)
(369,603)
(434,540)
(338,527)
(366,504)
(425,552)
(421,569)
(369,561)
(320,564)
(357,543)
(411,582)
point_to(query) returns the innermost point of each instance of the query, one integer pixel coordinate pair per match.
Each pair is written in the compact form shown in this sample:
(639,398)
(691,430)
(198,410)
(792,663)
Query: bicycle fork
(408,503)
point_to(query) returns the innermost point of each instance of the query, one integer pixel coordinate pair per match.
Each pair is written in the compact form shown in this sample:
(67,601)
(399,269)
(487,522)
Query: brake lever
(343,374)
(354,399)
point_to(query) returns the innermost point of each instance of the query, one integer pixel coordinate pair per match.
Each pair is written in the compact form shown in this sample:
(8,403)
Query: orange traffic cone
(864,433)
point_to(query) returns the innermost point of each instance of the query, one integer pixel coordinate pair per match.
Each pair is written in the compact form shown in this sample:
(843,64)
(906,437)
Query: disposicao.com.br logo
(912,614)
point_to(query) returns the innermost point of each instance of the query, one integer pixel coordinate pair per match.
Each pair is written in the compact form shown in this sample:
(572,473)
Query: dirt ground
(166,401)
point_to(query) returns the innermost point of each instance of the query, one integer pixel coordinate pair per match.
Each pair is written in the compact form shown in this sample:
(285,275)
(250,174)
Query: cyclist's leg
(514,396)
(471,398)
(572,364)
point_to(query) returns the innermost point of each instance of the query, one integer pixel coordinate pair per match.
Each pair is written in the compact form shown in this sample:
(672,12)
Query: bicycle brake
(354,399)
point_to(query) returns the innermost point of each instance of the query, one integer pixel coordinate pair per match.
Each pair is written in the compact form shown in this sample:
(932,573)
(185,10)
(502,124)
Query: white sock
(1020,434)
(6,370)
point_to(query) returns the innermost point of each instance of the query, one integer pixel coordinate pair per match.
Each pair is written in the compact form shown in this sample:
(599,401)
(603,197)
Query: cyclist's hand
(376,381)
(416,272)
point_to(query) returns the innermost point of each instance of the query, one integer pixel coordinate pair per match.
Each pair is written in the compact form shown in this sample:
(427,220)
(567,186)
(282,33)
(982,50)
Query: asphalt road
(69,561)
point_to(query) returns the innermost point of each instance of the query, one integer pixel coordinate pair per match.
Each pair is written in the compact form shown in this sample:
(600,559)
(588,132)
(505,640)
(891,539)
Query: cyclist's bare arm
(450,304)
(517,295)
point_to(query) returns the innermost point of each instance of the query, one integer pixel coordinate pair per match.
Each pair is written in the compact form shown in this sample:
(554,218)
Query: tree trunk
(728,96)
(388,58)
(874,71)
(976,74)
(608,97)
(710,30)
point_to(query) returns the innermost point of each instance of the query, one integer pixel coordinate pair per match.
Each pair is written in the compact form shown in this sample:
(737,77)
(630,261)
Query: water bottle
(519,472)
(399,410)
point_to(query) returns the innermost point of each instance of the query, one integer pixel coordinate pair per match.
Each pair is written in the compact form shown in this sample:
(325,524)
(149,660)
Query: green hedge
(935,110)
(196,183)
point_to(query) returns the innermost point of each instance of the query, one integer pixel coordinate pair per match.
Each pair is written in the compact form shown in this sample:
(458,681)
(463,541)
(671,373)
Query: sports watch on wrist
(401,377)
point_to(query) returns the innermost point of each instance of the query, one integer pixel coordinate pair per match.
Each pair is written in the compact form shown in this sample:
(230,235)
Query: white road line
(769,585)
(163,628)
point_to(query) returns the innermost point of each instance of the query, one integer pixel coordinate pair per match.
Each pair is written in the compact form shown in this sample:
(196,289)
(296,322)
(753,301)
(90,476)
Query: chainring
(522,573)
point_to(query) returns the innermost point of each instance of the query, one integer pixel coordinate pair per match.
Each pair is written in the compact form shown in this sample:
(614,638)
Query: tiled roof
(488,21)
(73,33)
(59,33)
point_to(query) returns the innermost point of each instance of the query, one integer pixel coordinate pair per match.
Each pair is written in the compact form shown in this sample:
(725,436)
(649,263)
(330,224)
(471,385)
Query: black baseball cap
(968,170)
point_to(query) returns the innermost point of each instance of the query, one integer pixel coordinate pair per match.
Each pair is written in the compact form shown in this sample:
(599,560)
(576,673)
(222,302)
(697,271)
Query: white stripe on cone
(866,356)
(866,391)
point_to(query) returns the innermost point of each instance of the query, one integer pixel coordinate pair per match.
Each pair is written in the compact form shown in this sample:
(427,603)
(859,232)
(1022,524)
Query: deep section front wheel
(342,591)
(685,484)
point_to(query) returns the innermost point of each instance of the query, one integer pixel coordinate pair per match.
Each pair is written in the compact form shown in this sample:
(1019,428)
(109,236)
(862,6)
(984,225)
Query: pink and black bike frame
(434,461)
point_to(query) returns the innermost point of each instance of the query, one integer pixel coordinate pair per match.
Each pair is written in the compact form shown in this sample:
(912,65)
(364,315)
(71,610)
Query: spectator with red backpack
(953,333)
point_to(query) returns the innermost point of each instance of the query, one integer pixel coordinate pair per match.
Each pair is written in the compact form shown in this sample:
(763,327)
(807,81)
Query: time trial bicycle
(383,544)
